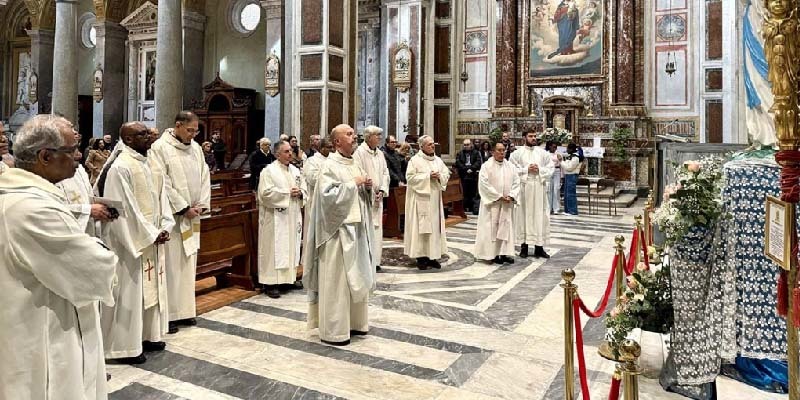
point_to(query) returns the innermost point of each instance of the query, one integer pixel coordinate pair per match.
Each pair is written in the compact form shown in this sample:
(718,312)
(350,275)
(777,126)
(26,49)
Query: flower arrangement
(558,135)
(695,199)
(646,304)
(619,143)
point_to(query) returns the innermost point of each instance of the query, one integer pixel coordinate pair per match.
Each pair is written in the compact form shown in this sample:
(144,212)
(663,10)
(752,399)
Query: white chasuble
(337,251)
(495,235)
(424,234)
(188,184)
(141,306)
(78,192)
(280,221)
(52,276)
(311,169)
(533,216)
(373,163)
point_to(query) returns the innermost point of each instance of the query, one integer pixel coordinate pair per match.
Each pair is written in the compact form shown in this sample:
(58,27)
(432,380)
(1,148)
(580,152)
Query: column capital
(110,29)
(43,36)
(194,20)
(73,2)
(273,8)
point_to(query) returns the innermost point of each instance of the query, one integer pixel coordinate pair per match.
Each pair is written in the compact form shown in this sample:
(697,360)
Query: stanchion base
(607,352)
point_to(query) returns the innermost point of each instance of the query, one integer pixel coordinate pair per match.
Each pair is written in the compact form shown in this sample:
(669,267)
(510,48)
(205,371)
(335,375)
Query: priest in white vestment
(339,268)
(138,320)
(4,165)
(180,160)
(314,163)
(52,275)
(498,185)
(535,168)
(281,196)
(426,177)
(372,160)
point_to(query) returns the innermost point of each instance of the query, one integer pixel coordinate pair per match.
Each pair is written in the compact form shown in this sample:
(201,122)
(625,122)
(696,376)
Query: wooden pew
(233,204)
(453,197)
(394,212)
(227,248)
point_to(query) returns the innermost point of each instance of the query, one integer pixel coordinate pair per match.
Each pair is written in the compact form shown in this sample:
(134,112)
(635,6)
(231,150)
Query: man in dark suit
(468,163)
(259,160)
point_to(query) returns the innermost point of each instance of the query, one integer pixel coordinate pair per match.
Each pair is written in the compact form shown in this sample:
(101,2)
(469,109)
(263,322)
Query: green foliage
(646,304)
(619,143)
(560,136)
(495,136)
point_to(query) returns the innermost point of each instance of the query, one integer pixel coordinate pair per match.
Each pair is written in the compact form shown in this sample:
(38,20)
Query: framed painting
(149,69)
(566,38)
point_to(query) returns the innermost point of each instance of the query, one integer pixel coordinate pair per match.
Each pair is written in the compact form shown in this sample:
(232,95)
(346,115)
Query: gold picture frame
(272,75)
(402,67)
(777,231)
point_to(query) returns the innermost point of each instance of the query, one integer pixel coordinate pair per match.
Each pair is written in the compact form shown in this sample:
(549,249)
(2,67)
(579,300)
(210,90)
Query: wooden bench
(227,247)
(233,204)
(394,213)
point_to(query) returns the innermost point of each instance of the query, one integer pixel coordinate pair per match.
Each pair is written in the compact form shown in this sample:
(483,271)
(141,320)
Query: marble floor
(468,331)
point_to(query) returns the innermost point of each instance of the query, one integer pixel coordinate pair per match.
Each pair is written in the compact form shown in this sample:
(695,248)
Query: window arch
(244,16)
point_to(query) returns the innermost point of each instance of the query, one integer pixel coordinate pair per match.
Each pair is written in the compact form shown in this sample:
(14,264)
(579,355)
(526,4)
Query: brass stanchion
(568,275)
(629,354)
(619,278)
(638,256)
(649,206)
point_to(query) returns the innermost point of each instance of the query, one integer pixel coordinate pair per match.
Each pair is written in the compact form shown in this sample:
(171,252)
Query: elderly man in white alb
(535,167)
(180,160)
(314,163)
(424,236)
(498,185)
(281,197)
(52,275)
(337,251)
(372,160)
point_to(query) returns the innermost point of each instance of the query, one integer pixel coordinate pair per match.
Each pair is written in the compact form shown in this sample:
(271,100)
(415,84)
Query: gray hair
(422,139)
(263,141)
(324,142)
(38,133)
(278,144)
(372,130)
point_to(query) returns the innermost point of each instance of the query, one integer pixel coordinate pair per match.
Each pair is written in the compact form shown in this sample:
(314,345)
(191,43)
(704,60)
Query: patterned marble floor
(469,331)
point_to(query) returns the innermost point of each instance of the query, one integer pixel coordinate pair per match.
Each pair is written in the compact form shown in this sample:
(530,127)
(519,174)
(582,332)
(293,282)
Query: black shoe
(272,291)
(357,333)
(298,285)
(187,322)
(497,260)
(523,251)
(506,260)
(434,264)
(153,346)
(345,343)
(539,252)
(140,359)
(108,377)
(378,268)
(423,263)
(173,328)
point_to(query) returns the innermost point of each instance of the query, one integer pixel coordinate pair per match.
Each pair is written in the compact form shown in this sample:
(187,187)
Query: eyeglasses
(65,150)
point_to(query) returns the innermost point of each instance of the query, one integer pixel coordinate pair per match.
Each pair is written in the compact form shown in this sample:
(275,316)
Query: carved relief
(272,75)
(780,31)
(402,62)
(97,84)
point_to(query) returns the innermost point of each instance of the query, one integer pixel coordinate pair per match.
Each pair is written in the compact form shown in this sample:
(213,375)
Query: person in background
(396,162)
(314,148)
(298,157)
(219,148)
(571,165)
(485,151)
(6,159)
(499,190)
(98,155)
(372,160)
(259,160)
(554,188)
(533,221)
(468,163)
(211,161)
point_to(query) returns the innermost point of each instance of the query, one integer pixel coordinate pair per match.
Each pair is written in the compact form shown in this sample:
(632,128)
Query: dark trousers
(570,194)
(470,189)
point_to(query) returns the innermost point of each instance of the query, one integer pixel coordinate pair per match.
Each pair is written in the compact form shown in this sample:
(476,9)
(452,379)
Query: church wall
(86,65)
(239,60)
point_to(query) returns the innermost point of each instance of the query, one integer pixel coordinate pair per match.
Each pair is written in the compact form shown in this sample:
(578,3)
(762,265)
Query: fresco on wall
(566,38)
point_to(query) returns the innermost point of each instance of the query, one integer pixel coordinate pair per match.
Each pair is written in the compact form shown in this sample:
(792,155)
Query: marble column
(65,60)
(507,91)
(42,63)
(272,104)
(628,62)
(194,26)
(169,63)
(109,55)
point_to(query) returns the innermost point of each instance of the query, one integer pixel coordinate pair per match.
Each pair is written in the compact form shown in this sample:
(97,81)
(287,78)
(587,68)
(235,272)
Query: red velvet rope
(576,311)
(613,391)
(790,175)
(643,246)
(630,266)
(604,302)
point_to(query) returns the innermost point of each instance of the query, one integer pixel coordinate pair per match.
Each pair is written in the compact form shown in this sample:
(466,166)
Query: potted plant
(619,143)
(557,135)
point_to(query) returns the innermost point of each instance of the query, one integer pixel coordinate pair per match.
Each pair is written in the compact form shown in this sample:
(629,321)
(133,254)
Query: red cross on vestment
(148,269)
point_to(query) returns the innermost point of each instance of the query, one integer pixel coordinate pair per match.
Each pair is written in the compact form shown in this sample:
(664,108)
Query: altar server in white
(180,160)
(314,163)
(498,185)
(139,317)
(52,275)
(424,236)
(535,167)
(79,193)
(372,160)
(282,194)
(337,251)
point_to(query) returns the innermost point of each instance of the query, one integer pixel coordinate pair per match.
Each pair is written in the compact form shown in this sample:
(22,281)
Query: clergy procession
(102,273)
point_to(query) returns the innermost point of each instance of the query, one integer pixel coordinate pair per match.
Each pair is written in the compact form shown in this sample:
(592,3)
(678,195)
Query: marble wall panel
(441,52)
(310,109)
(443,9)
(335,108)
(441,127)
(311,67)
(713,30)
(335,68)
(477,14)
(714,121)
(311,22)
(713,79)
(477,69)
(441,90)
(672,91)
(336,23)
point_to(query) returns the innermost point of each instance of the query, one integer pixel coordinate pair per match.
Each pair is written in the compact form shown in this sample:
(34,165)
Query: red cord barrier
(630,266)
(576,311)
(643,246)
(604,302)
(613,391)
